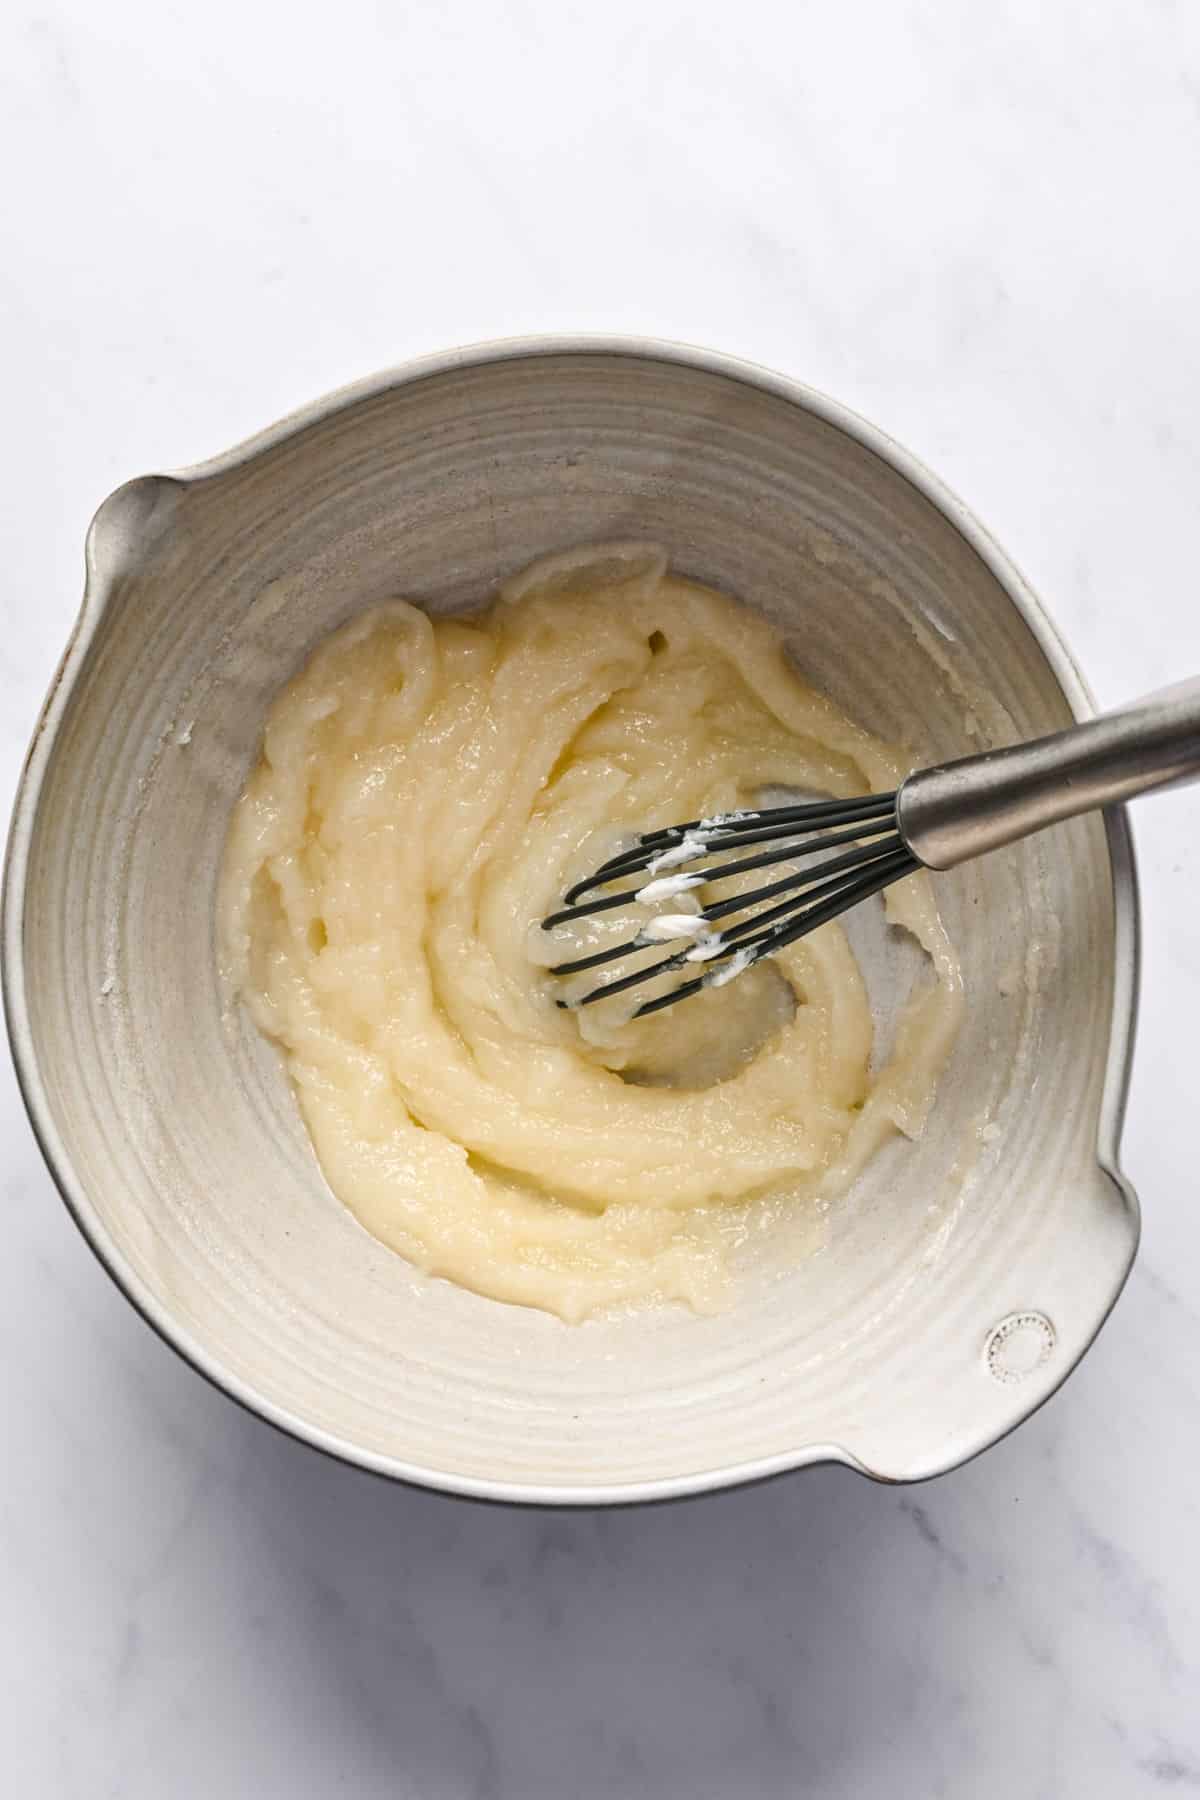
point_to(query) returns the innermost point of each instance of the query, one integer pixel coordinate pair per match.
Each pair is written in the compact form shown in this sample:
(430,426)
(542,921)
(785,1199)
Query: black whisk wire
(731,831)
(807,898)
(870,881)
(786,853)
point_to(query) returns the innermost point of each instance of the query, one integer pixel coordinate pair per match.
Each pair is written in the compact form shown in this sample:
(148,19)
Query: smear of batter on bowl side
(426,791)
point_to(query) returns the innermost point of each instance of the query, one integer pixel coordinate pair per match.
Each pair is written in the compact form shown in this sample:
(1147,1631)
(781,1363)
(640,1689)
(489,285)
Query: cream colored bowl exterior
(963,1277)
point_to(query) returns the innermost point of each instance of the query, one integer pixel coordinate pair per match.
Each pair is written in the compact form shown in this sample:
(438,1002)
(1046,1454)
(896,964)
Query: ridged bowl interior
(962,1277)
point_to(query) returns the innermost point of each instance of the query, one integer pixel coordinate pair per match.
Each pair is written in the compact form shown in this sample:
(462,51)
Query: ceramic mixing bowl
(962,1277)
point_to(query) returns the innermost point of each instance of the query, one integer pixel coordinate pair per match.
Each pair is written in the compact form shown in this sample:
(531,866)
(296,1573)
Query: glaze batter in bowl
(426,788)
(169,1122)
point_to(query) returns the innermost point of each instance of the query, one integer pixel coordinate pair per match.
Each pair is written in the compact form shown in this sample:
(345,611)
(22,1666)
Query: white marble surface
(979,226)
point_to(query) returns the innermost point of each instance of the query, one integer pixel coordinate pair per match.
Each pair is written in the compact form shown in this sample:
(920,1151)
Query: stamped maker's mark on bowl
(1018,1345)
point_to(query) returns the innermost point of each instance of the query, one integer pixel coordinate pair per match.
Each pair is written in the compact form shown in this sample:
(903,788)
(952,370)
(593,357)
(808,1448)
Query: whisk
(937,818)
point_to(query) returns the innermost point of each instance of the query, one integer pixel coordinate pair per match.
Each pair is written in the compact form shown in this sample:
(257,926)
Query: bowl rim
(103,562)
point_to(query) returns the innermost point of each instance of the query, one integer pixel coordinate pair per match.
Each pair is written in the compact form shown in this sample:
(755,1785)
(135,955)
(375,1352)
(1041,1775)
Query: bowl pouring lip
(102,571)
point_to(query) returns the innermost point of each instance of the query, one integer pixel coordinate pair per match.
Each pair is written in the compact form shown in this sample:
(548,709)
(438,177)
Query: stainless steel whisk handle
(962,809)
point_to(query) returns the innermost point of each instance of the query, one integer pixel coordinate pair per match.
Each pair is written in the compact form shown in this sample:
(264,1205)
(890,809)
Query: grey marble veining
(970,223)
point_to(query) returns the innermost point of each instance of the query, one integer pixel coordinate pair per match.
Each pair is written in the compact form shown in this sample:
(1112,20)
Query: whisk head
(729,934)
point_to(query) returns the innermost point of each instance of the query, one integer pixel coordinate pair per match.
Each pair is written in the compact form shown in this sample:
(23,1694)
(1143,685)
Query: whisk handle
(960,810)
